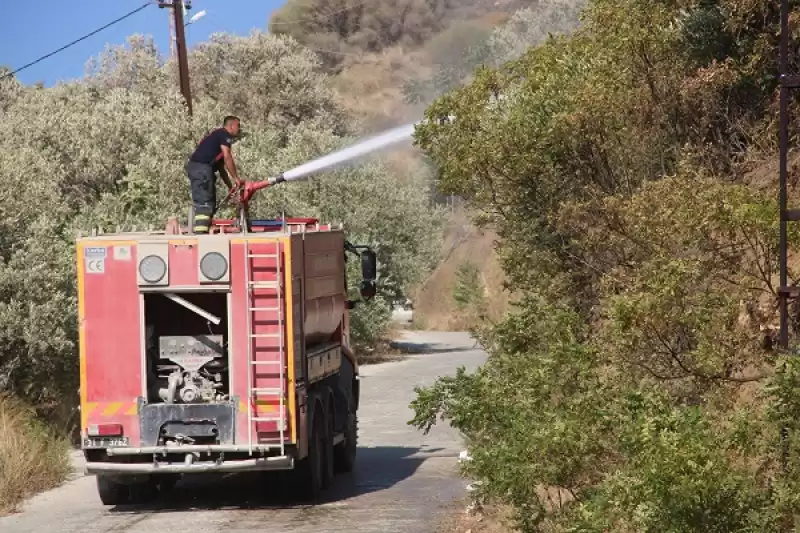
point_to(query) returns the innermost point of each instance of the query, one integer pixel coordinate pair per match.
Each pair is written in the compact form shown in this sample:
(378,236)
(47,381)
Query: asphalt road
(402,480)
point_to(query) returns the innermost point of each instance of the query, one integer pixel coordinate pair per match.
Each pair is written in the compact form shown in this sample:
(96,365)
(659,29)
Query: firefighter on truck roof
(213,154)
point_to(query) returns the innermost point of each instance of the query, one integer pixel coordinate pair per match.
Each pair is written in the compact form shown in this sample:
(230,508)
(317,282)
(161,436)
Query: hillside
(626,173)
(467,288)
(343,30)
(426,50)
(396,81)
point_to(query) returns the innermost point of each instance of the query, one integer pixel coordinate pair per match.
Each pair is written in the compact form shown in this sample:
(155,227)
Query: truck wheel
(328,457)
(143,492)
(309,473)
(112,493)
(167,483)
(345,451)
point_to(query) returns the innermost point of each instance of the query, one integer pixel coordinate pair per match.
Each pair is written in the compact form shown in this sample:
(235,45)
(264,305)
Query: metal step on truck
(225,352)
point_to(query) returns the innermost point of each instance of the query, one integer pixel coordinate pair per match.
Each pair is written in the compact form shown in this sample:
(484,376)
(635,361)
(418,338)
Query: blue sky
(33,29)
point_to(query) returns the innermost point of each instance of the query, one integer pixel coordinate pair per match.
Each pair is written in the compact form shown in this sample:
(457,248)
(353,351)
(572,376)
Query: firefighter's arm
(230,166)
(224,175)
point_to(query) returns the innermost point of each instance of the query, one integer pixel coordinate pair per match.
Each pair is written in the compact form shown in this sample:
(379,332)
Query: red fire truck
(225,352)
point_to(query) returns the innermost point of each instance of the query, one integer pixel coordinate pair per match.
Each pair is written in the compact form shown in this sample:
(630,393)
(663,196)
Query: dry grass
(434,305)
(491,519)
(383,352)
(370,88)
(32,458)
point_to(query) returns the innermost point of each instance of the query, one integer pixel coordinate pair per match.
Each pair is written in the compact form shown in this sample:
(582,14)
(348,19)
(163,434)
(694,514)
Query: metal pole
(171,36)
(180,45)
(787,82)
(784,148)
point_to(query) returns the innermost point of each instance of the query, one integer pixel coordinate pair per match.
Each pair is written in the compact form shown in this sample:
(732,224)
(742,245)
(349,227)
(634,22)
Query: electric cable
(76,41)
(143,6)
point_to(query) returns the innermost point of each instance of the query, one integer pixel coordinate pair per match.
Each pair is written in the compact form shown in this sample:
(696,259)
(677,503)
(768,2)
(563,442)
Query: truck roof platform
(273,226)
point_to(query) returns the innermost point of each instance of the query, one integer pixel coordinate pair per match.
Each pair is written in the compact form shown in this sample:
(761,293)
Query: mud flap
(345,452)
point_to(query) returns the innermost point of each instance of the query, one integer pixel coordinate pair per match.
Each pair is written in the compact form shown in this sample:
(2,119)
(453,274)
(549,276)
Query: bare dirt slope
(403,479)
(464,246)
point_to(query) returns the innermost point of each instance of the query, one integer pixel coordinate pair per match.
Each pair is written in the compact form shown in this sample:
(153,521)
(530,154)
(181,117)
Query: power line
(143,6)
(76,41)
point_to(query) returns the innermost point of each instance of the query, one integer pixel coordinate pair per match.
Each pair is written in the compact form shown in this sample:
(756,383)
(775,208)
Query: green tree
(636,387)
(467,289)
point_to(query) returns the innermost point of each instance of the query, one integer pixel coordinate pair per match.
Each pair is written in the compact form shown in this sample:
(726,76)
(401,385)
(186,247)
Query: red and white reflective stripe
(105,430)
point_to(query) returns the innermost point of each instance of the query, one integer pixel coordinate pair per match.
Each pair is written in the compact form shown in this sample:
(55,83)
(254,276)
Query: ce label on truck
(94,259)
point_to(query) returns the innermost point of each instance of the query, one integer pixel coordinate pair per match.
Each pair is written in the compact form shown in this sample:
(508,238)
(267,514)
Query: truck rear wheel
(112,493)
(144,491)
(328,456)
(345,451)
(167,483)
(309,472)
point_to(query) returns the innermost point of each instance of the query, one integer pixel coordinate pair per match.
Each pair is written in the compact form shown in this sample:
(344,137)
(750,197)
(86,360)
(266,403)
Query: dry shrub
(490,519)
(435,305)
(32,457)
(370,88)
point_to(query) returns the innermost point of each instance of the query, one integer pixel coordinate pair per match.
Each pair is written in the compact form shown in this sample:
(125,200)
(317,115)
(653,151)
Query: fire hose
(243,191)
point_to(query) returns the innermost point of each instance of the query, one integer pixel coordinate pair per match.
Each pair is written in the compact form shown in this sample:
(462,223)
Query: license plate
(105,442)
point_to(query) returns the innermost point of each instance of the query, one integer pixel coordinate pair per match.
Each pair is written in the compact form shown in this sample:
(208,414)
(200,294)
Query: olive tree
(110,151)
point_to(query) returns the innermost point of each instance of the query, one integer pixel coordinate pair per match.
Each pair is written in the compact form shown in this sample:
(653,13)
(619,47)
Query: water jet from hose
(332,160)
(345,155)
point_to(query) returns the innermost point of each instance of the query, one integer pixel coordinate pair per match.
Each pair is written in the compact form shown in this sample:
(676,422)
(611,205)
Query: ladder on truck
(255,393)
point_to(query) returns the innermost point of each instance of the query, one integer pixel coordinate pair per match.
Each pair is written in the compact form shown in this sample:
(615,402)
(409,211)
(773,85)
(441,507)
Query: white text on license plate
(94,442)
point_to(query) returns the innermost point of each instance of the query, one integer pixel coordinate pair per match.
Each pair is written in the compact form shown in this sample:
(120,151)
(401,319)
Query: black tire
(167,483)
(309,470)
(345,451)
(144,492)
(328,458)
(112,493)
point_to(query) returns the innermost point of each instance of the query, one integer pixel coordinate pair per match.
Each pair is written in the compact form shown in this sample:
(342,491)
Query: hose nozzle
(277,179)
(251,187)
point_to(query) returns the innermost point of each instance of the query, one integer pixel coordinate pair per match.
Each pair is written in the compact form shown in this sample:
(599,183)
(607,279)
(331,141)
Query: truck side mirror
(369,271)
(369,265)
(368,289)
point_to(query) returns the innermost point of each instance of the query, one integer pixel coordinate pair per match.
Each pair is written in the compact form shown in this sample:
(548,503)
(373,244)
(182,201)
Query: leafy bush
(637,387)
(680,478)
(533,419)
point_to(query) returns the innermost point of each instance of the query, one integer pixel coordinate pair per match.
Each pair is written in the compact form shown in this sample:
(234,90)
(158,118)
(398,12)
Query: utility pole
(789,81)
(180,46)
(171,36)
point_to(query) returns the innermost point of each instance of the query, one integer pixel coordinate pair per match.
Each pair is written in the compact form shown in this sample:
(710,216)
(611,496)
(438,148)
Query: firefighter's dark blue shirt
(209,150)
